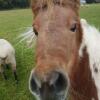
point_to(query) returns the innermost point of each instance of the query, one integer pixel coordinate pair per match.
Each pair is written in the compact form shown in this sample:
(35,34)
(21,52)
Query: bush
(90,1)
(8,4)
(20,3)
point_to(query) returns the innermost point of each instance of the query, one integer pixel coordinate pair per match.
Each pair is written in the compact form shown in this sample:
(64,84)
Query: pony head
(59,34)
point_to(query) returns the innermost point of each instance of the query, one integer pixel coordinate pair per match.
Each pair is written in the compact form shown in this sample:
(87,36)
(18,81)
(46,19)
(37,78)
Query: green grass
(91,13)
(13,23)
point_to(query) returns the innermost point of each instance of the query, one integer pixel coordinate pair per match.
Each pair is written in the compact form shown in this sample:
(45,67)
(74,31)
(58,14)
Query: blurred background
(10,4)
(15,18)
(89,1)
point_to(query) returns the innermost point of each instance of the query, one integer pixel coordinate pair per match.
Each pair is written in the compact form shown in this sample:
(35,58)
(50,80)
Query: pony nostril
(60,83)
(34,84)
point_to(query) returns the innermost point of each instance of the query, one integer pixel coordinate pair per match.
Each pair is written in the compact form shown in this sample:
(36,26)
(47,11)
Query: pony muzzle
(56,88)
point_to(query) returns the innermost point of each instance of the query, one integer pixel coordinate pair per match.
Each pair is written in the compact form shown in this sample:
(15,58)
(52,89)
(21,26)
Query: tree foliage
(90,1)
(8,4)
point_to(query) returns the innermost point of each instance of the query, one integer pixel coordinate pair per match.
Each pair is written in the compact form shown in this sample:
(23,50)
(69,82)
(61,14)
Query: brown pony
(60,72)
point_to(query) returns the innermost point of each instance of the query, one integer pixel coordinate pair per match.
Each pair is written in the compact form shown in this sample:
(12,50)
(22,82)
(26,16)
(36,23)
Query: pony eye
(73,28)
(35,31)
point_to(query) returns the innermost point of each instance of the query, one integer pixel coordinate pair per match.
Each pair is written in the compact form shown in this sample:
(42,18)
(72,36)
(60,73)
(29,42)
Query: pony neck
(90,61)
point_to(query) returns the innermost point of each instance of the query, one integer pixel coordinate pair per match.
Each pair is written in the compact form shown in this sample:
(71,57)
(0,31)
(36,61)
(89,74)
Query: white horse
(7,57)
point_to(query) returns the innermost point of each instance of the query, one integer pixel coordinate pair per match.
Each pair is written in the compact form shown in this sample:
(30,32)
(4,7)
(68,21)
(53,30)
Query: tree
(90,1)
(5,4)
(8,4)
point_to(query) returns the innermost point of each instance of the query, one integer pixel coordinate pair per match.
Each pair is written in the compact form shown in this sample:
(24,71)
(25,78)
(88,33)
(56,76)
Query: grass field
(12,24)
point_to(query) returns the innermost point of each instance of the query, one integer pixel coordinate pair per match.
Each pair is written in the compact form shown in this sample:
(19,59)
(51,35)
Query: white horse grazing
(7,57)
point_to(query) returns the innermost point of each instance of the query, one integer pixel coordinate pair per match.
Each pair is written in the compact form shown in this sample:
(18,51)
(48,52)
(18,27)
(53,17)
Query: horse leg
(2,71)
(7,66)
(13,65)
(15,74)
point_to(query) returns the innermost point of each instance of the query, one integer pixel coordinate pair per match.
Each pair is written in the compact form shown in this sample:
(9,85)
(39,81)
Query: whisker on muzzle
(28,36)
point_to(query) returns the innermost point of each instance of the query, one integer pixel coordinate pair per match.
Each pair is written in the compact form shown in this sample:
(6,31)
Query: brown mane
(38,4)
